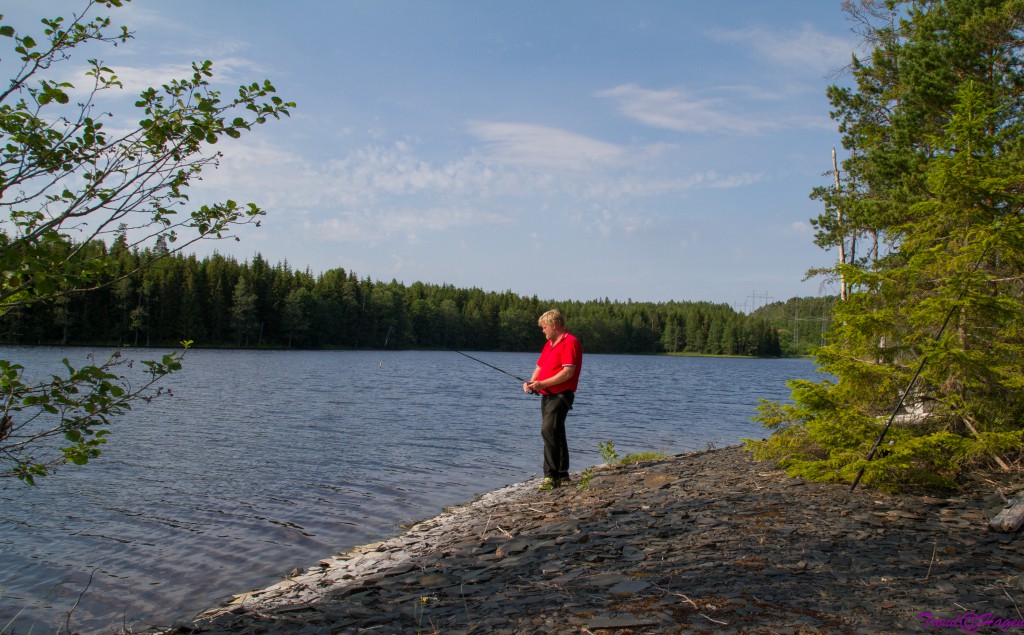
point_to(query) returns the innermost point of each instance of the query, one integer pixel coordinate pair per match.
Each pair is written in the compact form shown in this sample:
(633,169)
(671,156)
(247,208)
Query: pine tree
(935,170)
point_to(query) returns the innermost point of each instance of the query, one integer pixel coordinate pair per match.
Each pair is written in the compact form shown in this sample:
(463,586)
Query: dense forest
(151,297)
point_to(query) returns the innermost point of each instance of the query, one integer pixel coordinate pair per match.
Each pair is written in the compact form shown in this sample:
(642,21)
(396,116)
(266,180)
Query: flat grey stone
(628,588)
(620,621)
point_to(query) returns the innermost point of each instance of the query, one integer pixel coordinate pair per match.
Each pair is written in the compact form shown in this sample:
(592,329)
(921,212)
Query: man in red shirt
(555,378)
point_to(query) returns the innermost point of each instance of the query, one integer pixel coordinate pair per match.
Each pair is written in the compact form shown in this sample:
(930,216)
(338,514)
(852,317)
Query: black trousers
(553,409)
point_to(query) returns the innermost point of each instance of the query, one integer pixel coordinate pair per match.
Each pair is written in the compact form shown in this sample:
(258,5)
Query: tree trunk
(843,292)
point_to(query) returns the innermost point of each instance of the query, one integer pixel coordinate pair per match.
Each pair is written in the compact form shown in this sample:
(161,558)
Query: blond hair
(552,318)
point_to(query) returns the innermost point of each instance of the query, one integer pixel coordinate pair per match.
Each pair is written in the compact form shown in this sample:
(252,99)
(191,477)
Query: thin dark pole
(910,386)
(920,367)
(888,423)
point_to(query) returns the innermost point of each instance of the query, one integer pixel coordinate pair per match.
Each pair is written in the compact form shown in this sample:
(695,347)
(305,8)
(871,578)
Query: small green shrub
(585,477)
(608,452)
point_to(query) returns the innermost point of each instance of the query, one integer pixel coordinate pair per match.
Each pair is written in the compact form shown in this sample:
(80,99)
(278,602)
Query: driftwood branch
(1010,519)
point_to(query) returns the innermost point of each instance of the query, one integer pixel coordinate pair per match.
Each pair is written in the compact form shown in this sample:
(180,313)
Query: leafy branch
(63,171)
(74,408)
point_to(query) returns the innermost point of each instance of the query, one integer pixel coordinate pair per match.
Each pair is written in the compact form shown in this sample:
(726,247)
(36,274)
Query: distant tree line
(153,297)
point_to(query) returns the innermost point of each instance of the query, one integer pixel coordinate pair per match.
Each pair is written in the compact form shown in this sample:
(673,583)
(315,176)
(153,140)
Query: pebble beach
(704,542)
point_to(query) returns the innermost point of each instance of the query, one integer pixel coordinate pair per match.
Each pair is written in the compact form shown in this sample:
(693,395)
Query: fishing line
(386,337)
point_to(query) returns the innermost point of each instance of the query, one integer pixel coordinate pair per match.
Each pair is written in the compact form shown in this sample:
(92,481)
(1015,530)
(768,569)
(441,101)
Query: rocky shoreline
(707,542)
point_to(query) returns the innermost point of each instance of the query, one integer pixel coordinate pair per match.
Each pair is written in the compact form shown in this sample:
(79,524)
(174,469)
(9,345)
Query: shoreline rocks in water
(707,542)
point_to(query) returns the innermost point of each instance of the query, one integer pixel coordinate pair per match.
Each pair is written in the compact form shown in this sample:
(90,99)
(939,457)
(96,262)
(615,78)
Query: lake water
(266,461)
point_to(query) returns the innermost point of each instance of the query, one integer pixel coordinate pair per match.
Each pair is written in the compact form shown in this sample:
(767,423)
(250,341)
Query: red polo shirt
(556,354)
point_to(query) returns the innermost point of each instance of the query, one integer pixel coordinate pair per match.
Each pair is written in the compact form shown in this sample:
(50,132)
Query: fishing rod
(489,366)
(532,392)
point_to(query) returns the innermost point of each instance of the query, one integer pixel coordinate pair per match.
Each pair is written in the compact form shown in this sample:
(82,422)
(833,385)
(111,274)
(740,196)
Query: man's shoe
(563,482)
(548,484)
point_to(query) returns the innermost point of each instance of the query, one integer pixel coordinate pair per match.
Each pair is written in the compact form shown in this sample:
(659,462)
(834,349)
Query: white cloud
(682,112)
(228,74)
(801,228)
(813,122)
(690,239)
(367,227)
(603,225)
(806,48)
(362,177)
(733,180)
(612,223)
(136,79)
(179,38)
(643,187)
(535,241)
(398,264)
(542,147)
(381,192)
(408,221)
(265,174)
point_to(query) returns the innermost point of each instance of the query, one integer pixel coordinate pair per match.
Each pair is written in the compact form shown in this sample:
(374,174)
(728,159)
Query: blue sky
(657,150)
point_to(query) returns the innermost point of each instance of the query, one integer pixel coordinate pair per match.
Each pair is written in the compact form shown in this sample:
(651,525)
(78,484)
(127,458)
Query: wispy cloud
(354,226)
(801,228)
(362,177)
(609,223)
(729,181)
(228,73)
(689,239)
(228,70)
(681,111)
(541,147)
(411,197)
(803,48)
(645,187)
